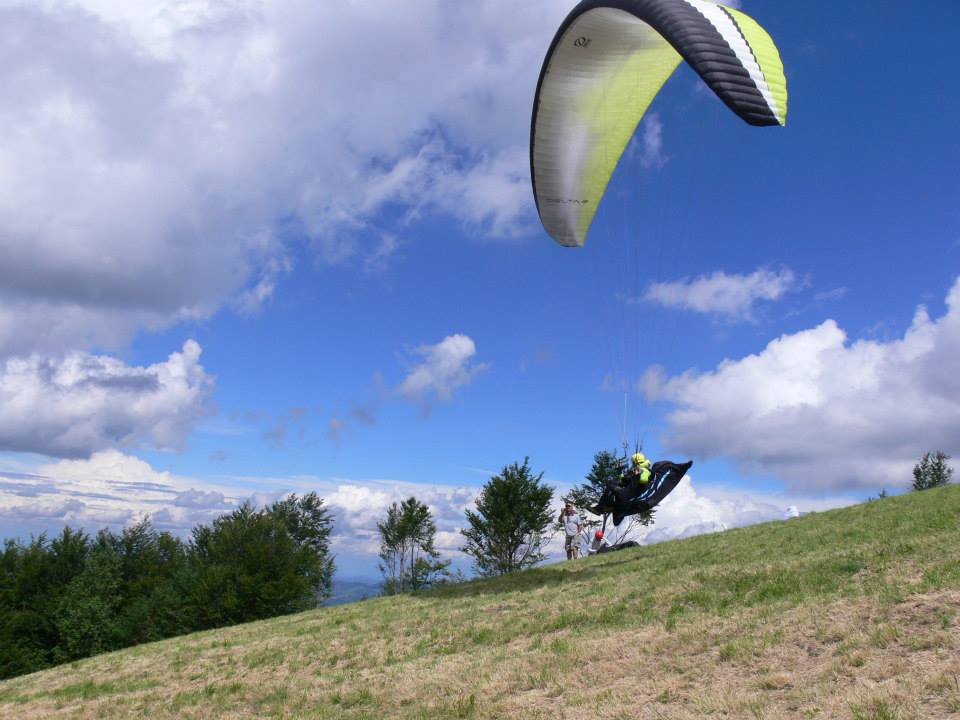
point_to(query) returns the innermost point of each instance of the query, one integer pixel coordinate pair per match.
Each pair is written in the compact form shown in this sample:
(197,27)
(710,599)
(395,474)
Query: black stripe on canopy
(697,41)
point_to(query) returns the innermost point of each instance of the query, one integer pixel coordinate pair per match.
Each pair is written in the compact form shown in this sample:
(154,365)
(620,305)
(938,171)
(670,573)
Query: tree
(509,529)
(932,471)
(409,560)
(70,597)
(252,564)
(392,548)
(309,523)
(33,580)
(87,613)
(151,601)
(607,467)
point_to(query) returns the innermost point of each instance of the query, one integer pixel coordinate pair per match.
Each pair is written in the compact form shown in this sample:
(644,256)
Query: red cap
(598,534)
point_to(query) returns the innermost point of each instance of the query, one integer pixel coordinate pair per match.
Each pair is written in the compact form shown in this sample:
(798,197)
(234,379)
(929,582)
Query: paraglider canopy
(607,62)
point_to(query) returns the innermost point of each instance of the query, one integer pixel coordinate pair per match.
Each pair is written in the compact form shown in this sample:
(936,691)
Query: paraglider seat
(632,499)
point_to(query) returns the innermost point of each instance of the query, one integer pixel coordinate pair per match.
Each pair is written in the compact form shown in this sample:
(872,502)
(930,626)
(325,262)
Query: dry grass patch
(819,662)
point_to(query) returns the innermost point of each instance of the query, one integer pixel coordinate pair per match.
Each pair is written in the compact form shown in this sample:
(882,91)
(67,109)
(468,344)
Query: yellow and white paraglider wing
(606,64)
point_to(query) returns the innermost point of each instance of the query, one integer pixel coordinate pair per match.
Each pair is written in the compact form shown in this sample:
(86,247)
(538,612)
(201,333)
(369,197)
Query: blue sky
(253,248)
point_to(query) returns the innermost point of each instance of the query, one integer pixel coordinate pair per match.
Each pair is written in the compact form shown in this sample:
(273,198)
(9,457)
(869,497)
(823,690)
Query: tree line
(77,595)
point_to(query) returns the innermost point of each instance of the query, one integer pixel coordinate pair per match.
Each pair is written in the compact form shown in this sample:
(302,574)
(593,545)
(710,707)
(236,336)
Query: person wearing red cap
(598,542)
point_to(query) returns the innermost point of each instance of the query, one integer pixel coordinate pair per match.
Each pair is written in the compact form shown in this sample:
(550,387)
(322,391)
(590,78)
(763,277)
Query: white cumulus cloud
(820,411)
(446,366)
(81,403)
(732,297)
(156,152)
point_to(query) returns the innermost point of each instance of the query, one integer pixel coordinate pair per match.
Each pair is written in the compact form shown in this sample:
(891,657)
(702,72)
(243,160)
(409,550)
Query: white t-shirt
(598,543)
(571,524)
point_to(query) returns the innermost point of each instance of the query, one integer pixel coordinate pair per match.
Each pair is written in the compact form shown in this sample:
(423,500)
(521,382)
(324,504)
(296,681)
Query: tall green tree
(392,558)
(33,579)
(151,600)
(511,525)
(309,524)
(408,558)
(87,618)
(932,471)
(253,564)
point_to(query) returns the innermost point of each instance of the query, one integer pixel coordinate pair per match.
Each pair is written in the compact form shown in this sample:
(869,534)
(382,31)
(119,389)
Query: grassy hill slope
(853,613)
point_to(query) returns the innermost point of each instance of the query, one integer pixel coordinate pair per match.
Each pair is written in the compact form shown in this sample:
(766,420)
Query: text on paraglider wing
(581,42)
(566,200)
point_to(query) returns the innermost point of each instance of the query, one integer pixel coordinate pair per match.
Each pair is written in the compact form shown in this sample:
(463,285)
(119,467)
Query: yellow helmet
(639,458)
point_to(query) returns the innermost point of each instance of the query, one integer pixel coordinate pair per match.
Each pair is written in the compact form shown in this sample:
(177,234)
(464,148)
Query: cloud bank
(690,510)
(111,489)
(821,412)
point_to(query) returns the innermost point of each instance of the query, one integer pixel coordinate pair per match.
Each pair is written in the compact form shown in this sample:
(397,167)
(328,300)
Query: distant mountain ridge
(347,591)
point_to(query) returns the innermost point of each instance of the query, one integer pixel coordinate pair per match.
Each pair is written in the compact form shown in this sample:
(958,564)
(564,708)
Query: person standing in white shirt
(572,525)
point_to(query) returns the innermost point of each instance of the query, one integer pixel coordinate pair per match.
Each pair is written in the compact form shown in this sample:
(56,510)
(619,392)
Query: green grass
(875,710)
(785,619)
